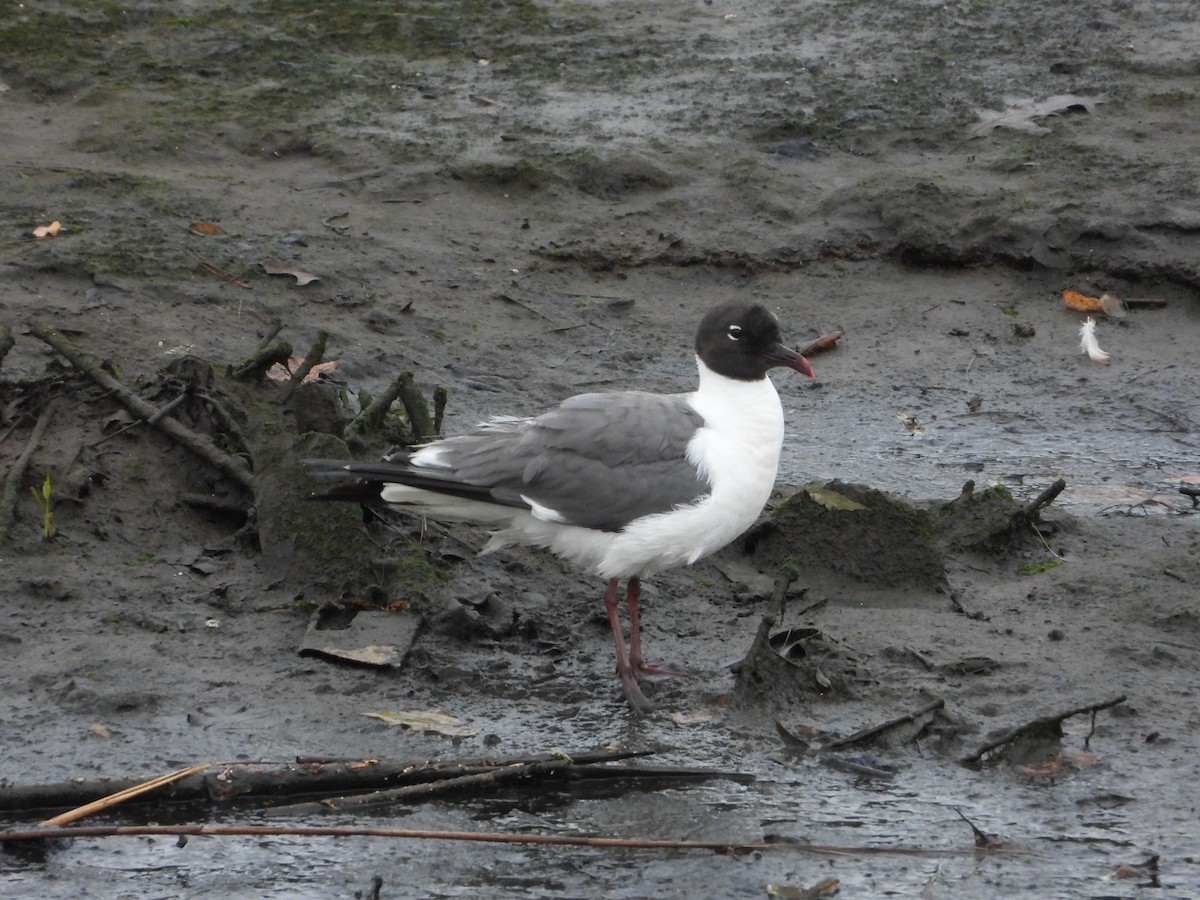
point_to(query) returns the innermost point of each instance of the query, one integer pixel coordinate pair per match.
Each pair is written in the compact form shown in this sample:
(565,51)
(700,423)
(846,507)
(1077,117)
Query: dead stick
(872,731)
(199,444)
(306,775)
(1037,725)
(256,366)
(823,343)
(150,421)
(315,354)
(119,797)
(218,271)
(504,775)
(490,837)
(12,484)
(1045,498)
(416,408)
(370,418)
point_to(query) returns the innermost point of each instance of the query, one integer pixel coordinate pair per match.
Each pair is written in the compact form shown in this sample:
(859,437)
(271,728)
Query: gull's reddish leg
(633,593)
(625,671)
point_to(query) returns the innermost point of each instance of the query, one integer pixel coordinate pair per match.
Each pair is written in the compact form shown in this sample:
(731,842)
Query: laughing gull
(623,485)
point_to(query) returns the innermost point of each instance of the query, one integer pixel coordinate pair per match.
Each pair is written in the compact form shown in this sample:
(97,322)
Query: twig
(116,799)
(867,733)
(375,799)
(265,357)
(823,343)
(199,444)
(218,271)
(490,837)
(273,330)
(162,411)
(370,418)
(1041,725)
(1044,499)
(315,354)
(12,484)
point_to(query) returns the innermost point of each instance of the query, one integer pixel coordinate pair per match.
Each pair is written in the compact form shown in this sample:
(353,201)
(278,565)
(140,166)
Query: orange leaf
(203,227)
(1082,302)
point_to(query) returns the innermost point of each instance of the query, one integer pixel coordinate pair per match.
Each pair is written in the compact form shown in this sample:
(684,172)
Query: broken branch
(199,444)
(1038,728)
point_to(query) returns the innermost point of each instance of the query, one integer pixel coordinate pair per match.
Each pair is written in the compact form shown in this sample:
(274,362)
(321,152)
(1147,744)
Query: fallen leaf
(48,230)
(431,720)
(279,267)
(1109,304)
(820,492)
(1082,302)
(1021,115)
(203,227)
(279,372)
(100,730)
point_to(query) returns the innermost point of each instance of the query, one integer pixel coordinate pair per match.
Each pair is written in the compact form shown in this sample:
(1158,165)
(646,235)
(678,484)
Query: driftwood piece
(199,444)
(1043,729)
(12,484)
(557,770)
(243,780)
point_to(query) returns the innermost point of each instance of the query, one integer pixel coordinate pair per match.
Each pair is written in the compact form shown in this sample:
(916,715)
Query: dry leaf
(1020,115)
(1109,304)
(203,227)
(48,230)
(1082,302)
(432,720)
(279,267)
(279,372)
(100,730)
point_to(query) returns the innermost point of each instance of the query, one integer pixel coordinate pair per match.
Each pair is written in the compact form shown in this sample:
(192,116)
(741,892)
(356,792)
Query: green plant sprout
(44,501)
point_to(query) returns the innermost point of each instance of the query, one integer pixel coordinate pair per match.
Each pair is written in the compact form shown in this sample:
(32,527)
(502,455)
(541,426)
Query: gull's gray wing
(598,461)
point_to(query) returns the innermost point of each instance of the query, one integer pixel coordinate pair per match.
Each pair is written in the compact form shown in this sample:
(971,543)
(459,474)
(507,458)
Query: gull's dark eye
(735,332)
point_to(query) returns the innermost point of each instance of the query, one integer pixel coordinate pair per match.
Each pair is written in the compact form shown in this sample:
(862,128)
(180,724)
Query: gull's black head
(742,341)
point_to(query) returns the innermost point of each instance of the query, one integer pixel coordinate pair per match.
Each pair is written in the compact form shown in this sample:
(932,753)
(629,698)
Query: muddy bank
(519,203)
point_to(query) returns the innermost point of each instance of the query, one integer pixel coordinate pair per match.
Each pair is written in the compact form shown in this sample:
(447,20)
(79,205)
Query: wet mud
(519,202)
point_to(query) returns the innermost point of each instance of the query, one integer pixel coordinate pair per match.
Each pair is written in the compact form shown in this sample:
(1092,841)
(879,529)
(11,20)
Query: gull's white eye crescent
(735,332)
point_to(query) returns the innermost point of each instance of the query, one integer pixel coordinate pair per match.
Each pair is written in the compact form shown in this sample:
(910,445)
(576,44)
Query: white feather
(1088,343)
